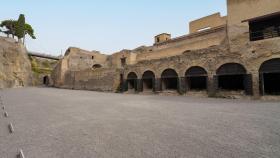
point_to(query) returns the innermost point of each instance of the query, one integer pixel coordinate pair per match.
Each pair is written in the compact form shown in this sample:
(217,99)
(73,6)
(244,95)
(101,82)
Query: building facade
(234,55)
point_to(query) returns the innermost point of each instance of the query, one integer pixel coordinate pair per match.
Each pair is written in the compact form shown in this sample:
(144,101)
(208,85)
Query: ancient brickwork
(221,60)
(103,79)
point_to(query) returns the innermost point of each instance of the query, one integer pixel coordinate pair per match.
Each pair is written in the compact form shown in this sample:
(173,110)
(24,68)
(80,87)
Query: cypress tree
(20,27)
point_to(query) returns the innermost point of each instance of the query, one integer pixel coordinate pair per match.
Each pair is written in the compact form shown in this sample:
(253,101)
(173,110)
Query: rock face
(42,69)
(15,67)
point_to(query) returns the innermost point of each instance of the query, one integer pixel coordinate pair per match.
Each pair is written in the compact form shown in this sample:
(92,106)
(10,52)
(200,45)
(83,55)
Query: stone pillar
(157,84)
(248,84)
(139,85)
(182,85)
(212,85)
(256,86)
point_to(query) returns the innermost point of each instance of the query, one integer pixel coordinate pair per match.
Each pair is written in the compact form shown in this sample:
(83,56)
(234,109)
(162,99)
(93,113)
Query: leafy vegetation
(17,28)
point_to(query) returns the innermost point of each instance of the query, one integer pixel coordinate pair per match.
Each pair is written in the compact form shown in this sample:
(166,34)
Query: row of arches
(230,76)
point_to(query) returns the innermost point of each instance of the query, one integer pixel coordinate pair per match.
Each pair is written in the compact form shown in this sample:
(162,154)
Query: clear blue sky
(105,25)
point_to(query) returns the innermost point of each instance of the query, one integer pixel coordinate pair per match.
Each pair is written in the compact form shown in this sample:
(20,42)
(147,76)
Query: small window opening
(123,61)
(158,39)
(265,28)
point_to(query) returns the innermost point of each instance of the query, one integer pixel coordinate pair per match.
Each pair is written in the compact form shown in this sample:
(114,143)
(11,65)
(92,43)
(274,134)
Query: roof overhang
(255,19)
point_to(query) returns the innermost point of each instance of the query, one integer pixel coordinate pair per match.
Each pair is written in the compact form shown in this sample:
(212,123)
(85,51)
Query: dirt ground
(58,123)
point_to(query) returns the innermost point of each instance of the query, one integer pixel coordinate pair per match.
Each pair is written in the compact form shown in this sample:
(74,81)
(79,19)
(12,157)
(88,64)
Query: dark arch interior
(196,78)
(46,80)
(231,77)
(96,66)
(270,77)
(169,80)
(132,81)
(148,81)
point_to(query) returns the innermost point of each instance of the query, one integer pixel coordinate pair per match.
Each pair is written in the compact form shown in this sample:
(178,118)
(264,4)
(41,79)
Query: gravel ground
(57,123)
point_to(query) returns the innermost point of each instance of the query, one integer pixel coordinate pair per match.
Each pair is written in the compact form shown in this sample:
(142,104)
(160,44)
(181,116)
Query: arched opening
(46,80)
(169,80)
(132,81)
(96,66)
(231,76)
(148,80)
(196,78)
(270,77)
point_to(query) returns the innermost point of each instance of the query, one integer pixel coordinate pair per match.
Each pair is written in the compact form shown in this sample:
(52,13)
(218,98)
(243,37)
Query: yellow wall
(239,10)
(162,37)
(191,42)
(207,22)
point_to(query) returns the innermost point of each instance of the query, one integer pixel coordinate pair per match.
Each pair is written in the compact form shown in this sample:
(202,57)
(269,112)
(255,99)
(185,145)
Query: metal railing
(265,34)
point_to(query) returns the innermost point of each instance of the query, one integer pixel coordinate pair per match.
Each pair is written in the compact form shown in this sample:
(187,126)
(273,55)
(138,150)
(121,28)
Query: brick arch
(196,71)
(229,61)
(169,72)
(148,73)
(260,61)
(126,73)
(162,69)
(149,69)
(132,75)
(233,76)
(169,79)
(231,68)
(269,76)
(271,65)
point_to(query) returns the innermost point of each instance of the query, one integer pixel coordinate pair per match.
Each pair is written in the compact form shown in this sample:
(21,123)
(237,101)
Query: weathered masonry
(233,55)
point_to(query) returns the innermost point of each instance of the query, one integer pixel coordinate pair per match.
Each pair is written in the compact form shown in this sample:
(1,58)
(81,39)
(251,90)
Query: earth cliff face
(15,67)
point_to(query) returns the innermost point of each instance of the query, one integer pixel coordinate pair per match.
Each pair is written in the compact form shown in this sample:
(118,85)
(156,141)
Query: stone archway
(132,81)
(269,73)
(169,80)
(231,77)
(196,78)
(46,80)
(148,81)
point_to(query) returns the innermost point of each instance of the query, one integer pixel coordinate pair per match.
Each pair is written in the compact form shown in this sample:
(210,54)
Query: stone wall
(240,10)
(102,79)
(41,70)
(211,59)
(177,46)
(15,67)
(209,49)
(210,21)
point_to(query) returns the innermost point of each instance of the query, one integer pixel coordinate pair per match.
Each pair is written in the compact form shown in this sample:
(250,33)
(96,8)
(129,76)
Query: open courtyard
(56,123)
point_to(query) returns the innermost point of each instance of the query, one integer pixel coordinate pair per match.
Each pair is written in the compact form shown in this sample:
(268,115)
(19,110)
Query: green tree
(20,27)
(17,28)
(10,26)
(28,30)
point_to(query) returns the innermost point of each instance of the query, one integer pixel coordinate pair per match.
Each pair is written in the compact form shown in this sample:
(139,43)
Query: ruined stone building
(238,54)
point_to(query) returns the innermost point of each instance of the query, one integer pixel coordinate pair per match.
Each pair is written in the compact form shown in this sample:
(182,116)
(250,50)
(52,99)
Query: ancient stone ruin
(234,55)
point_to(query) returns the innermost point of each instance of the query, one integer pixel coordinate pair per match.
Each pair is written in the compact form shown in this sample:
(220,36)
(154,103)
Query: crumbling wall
(251,56)
(103,79)
(41,68)
(15,67)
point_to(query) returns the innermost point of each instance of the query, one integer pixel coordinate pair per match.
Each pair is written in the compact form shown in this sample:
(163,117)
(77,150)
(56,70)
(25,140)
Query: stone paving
(57,123)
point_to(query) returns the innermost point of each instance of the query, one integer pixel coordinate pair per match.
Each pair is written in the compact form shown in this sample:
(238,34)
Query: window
(123,61)
(92,57)
(264,28)
(158,39)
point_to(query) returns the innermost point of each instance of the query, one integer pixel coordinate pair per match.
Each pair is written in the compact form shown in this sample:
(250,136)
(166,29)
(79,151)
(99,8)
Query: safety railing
(265,34)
